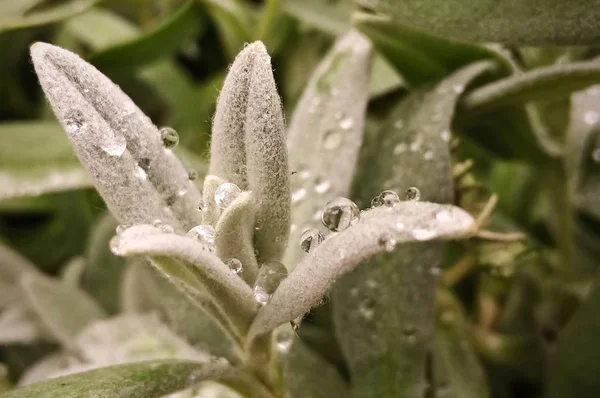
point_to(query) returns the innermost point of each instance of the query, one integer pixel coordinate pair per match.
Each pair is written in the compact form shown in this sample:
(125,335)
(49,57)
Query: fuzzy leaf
(339,254)
(418,56)
(135,380)
(139,180)
(248,146)
(53,303)
(19,325)
(551,22)
(234,233)
(203,271)
(13,266)
(47,15)
(384,310)
(35,159)
(327,126)
(161,42)
(72,272)
(211,212)
(551,81)
(308,375)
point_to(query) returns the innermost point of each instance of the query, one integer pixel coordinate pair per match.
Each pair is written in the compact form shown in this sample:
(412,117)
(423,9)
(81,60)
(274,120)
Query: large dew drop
(270,276)
(203,233)
(386,198)
(284,337)
(192,174)
(413,194)
(235,265)
(225,194)
(169,137)
(310,239)
(339,214)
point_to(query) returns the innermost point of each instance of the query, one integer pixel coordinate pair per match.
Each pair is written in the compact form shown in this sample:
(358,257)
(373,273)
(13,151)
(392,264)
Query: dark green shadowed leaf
(418,56)
(56,13)
(508,21)
(161,42)
(36,158)
(384,310)
(327,126)
(136,380)
(308,375)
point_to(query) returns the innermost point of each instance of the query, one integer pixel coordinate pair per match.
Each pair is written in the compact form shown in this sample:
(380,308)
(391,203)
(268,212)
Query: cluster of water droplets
(269,277)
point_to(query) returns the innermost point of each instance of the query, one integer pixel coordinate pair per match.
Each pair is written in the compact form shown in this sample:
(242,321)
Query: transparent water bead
(115,245)
(591,117)
(235,265)
(346,123)
(192,175)
(226,193)
(596,155)
(386,198)
(310,239)
(284,337)
(167,229)
(413,194)
(140,173)
(120,228)
(339,214)
(298,195)
(113,145)
(157,223)
(269,277)
(200,205)
(169,137)
(322,186)
(388,243)
(203,233)
(332,139)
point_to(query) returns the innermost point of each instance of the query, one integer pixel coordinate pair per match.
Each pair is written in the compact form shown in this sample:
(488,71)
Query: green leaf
(418,56)
(384,310)
(379,230)
(161,42)
(53,302)
(116,142)
(35,159)
(507,21)
(47,15)
(135,380)
(308,375)
(327,16)
(327,126)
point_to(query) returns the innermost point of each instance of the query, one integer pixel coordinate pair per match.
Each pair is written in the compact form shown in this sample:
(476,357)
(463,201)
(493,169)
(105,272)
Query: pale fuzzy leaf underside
(379,230)
(325,133)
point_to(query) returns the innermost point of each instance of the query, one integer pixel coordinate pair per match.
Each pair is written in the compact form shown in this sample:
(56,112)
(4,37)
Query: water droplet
(339,214)
(596,155)
(235,265)
(371,284)
(458,88)
(269,277)
(182,192)
(400,226)
(591,117)
(400,148)
(428,155)
(200,205)
(169,137)
(226,193)
(423,234)
(284,337)
(366,310)
(192,174)
(399,124)
(435,271)
(203,233)
(346,123)
(322,186)
(304,173)
(298,195)
(115,245)
(332,139)
(388,243)
(121,228)
(410,334)
(167,229)
(310,239)
(157,223)
(385,198)
(443,216)
(140,173)
(413,194)
(296,323)
(445,135)
(416,144)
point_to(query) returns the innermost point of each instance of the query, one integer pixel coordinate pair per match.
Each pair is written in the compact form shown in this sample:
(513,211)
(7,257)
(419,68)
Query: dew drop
(115,245)
(157,223)
(458,88)
(296,323)
(169,137)
(385,198)
(322,186)
(269,277)
(399,124)
(192,174)
(423,234)
(310,239)
(203,233)
(443,216)
(428,155)
(167,229)
(339,214)
(332,139)
(284,337)
(346,123)
(304,173)
(140,173)
(225,194)
(416,144)
(591,117)
(298,195)
(413,194)
(182,192)
(400,148)
(121,228)
(200,205)
(365,309)
(410,334)
(596,155)
(235,265)
(445,135)
(388,243)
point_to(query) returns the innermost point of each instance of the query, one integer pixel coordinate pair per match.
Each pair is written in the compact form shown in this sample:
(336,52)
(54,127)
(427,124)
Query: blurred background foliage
(171,56)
